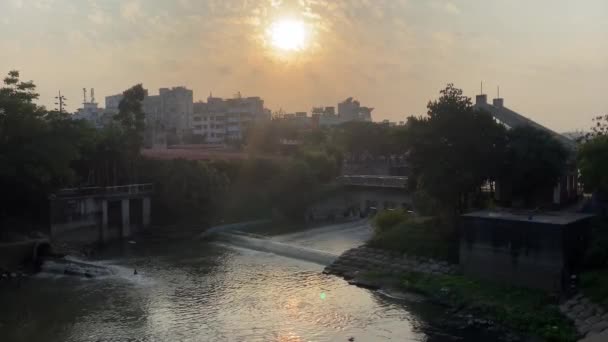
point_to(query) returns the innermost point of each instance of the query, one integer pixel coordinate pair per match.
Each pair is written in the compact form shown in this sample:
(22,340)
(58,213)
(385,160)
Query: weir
(283,249)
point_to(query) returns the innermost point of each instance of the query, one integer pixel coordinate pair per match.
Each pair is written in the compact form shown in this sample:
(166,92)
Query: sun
(288,34)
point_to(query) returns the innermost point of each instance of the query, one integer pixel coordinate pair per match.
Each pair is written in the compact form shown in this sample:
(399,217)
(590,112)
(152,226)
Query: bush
(595,285)
(388,219)
(421,236)
(526,310)
(596,256)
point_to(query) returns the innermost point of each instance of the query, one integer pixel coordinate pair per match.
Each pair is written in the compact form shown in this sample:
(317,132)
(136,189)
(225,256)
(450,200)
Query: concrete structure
(90,112)
(169,112)
(368,165)
(351,110)
(348,110)
(359,200)
(538,250)
(99,214)
(220,120)
(299,119)
(112,102)
(176,110)
(566,190)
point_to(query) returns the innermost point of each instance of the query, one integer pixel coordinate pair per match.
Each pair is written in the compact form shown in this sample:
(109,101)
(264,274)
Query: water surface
(193,290)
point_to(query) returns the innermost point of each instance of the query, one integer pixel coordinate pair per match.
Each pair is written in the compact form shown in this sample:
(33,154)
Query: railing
(374,181)
(129,189)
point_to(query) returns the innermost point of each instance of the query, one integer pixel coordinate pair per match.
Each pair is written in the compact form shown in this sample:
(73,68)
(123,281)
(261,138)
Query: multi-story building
(112,102)
(351,110)
(170,111)
(176,108)
(222,120)
(91,113)
(566,190)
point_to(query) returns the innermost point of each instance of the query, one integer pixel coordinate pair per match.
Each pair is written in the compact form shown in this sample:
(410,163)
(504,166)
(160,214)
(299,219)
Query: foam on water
(74,267)
(279,248)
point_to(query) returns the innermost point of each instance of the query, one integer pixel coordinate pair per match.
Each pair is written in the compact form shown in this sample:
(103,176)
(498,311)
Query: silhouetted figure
(135,271)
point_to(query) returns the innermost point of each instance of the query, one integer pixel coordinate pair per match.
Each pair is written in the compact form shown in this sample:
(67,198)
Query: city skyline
(392,55)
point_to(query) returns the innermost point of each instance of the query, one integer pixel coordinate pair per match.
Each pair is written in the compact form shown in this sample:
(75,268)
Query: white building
(90,111)
(170,111)
(222,120)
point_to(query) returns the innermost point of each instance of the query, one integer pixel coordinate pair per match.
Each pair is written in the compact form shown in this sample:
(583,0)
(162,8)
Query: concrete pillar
(126,228)
(557,193)
(104,234)
(146,206)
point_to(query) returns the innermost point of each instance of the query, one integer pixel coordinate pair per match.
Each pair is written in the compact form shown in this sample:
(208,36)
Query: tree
(37,149)
(534,162)
(593,164)
(132,117)
(599,128)
(454,149)
(359,138)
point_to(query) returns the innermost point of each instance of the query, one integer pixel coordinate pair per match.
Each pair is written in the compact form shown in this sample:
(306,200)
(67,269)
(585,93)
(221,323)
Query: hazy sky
(550,57)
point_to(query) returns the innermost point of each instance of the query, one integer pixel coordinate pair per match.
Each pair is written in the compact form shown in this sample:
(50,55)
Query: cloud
(131,10)
(17,3)
(446,6)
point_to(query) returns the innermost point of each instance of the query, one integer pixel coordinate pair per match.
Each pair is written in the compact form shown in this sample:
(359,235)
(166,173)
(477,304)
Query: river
(195,290)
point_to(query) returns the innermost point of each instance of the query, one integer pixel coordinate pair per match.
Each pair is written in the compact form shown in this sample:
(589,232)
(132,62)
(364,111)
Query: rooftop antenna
(60,102)
(92,95)
(498,92)
(84,95)
(481,88)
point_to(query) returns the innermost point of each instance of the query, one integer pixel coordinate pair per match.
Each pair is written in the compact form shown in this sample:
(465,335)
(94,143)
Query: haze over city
(548,57)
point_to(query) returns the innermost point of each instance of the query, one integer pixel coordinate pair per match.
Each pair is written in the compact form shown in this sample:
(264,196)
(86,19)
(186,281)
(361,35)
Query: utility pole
(60,102)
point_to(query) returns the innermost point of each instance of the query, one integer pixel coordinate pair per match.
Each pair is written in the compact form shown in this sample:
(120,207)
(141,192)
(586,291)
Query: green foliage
(596,255)
(424,204)
(455,149)
(419,236)
(599,128)
(251,184)
(37,149)
(324,168)
(594,285)
(388,219)
(184,191)
(265,137)
(367,137)
(593,164)
(526,310)
(534,161)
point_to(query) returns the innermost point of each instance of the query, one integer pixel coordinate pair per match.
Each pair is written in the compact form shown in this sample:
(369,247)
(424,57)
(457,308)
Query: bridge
(99,214)
(359,195)
(374,181)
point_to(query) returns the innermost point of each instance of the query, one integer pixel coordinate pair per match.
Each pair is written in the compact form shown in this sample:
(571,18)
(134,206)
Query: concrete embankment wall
(17,254)
(365,259)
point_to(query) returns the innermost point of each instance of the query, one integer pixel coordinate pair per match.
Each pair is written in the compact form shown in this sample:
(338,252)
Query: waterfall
(279,248)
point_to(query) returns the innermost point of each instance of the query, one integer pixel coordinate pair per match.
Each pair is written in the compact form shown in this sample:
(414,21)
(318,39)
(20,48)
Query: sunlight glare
(288,34)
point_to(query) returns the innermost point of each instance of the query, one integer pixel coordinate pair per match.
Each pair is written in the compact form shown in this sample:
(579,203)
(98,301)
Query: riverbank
(471,303)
